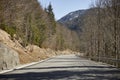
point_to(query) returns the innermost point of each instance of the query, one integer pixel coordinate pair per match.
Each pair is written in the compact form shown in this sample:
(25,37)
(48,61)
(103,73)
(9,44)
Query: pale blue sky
(63,7)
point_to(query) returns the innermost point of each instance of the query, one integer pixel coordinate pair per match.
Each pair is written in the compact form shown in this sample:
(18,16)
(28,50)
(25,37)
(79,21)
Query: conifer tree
(50,13)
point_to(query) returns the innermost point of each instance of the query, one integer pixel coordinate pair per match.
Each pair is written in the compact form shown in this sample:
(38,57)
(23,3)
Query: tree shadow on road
(65,75)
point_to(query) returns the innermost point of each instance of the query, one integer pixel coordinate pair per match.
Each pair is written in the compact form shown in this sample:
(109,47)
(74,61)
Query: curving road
(64,67)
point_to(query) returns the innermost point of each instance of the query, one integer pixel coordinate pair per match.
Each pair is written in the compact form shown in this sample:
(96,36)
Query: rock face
(8,57)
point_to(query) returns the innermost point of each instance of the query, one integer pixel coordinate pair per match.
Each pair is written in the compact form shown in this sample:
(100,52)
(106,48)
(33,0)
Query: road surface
(64,67)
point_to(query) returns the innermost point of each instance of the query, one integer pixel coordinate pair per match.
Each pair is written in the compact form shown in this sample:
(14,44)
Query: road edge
(25,65)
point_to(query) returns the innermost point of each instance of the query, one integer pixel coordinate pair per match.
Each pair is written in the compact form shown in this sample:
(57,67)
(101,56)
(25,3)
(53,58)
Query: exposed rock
(14,44)
(32,53)
(40,53)
(6,39)
(8,57)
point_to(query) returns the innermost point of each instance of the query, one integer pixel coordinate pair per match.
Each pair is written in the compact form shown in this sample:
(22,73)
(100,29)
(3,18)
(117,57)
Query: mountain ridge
(73,20)
(73,14)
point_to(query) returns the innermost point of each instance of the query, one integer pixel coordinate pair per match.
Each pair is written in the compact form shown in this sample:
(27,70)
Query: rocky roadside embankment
(12,53)
(8,57)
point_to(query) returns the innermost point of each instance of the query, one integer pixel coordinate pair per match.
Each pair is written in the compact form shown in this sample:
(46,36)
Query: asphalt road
(64,67)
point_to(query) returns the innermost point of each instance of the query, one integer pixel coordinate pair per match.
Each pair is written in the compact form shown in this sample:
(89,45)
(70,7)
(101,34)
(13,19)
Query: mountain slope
(26,21)
(73,20)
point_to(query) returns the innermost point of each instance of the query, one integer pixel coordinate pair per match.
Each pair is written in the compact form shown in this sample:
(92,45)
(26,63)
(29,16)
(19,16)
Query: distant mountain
(73,20)
(72,15)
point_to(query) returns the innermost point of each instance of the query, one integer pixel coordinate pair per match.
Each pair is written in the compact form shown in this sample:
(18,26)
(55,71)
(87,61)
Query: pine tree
(50,13)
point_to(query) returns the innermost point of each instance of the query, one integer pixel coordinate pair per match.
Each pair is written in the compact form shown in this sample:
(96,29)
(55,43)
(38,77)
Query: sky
(63,7)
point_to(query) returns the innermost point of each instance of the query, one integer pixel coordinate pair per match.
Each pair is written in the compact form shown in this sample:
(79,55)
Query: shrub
(8,29)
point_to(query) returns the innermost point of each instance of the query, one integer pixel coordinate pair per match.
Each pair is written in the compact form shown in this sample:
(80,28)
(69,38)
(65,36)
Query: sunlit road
(64,67)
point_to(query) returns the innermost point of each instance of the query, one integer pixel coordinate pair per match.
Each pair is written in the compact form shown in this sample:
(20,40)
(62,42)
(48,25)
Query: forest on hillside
(27,22)
(101,32)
